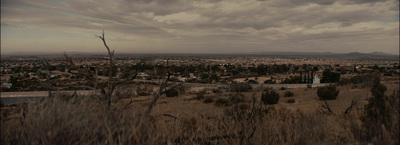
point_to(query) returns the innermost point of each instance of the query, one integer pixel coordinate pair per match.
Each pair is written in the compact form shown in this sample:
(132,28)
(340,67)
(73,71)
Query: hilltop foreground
(206,117)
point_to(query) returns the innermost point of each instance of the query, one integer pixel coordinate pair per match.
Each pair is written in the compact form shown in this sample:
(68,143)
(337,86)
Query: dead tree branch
(107,89)
(354,103)
(326,108)
(164,87)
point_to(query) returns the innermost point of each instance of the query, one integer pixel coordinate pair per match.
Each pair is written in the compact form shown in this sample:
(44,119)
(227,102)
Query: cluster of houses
(243,64)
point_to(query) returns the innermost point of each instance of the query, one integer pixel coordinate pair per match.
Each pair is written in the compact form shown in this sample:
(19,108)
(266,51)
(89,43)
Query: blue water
(10,100)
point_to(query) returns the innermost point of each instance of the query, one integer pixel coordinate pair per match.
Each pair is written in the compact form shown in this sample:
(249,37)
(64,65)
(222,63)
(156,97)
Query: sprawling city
(206,86)
(36,73)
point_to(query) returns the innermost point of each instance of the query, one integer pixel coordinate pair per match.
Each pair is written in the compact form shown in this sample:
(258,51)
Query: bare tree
(47,76)
(108,89)
(164,86)
(354,103)
(326,108)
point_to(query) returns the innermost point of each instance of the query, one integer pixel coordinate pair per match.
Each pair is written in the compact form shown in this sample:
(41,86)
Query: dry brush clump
(291,100)
(172,93)
(222,102)
(208,100)
(288,94)
(56,121)
(270,96)
(329,92)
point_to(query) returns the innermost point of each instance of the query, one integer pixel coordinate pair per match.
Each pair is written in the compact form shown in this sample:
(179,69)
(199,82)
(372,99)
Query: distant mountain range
(352,54)
(328,53)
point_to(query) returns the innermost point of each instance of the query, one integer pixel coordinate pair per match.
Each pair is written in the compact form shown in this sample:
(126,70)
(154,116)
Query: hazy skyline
(200,26)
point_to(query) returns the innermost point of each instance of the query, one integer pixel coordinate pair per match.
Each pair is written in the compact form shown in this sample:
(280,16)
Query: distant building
(143,75)
(316,80)
(6,86)
(5,78)
(182,79)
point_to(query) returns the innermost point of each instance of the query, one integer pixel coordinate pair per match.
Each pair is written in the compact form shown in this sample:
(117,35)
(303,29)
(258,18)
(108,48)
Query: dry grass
(181,120)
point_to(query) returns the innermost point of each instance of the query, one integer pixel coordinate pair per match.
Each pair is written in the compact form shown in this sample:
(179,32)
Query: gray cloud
(223,24)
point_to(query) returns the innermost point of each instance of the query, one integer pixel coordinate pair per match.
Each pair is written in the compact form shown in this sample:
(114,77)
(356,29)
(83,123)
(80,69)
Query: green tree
(330,77)
(377,108)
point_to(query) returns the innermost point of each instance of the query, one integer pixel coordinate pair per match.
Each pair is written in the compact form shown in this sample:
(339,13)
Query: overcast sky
(200,26)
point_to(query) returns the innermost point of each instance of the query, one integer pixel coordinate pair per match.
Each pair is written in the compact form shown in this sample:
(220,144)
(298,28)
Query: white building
(316,80)
(143,75)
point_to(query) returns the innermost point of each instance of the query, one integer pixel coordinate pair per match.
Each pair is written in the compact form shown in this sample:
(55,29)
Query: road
(193,86)
(39,93)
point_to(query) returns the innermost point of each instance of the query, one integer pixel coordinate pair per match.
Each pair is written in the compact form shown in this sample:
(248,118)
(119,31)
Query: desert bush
(252,82)
(327,92)
(360,80)
(289,94)
(270,96)
(240,87)
(217,90)
(269,82)
(144,91)
(208,100)
(243,107)
(291,100)
(172,93)
(222,102)
(236,98)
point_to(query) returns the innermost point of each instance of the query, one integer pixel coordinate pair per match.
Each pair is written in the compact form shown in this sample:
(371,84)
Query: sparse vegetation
(201,94)
(82,121)
(172,93)
(328,92)
(222,102)
(236,98)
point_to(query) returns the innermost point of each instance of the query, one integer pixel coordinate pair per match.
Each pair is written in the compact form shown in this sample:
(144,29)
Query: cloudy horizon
(200,26)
